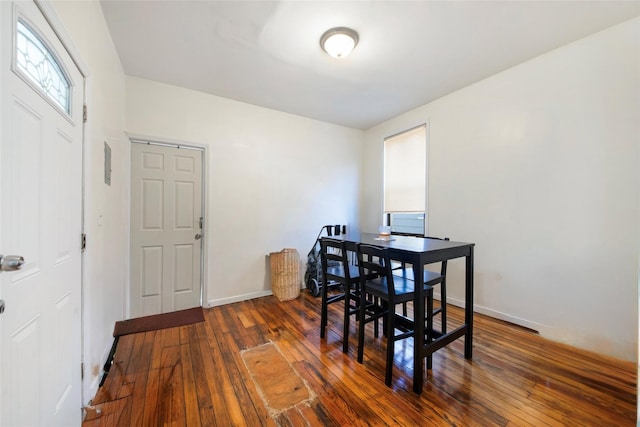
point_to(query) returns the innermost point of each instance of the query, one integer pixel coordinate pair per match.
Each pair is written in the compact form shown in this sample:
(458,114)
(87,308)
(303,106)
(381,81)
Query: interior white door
(166,233)
(40,219)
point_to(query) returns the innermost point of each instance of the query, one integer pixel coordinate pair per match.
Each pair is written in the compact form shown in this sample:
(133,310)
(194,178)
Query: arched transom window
(39,65)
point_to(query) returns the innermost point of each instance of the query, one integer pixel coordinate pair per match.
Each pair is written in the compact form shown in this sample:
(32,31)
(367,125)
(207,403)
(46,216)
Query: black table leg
(418,338)
(468,311)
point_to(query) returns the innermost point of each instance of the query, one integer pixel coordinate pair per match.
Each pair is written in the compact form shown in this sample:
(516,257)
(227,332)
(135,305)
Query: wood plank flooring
(195,376)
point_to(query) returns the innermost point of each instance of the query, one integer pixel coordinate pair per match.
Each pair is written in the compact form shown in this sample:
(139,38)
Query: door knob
(11,262)
(198,236)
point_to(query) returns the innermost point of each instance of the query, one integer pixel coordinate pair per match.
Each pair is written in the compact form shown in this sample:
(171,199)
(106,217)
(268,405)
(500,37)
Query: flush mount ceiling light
(339,42)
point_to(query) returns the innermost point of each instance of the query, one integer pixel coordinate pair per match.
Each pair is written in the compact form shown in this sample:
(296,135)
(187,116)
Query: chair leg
(323,313)
(429,329)
(389,332)
(361,324)
(347,315)
(376,329)
(386,307)
(443,306)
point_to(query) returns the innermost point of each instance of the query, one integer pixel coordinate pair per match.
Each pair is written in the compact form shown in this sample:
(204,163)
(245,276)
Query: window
(405,174)
(406,223)
(38,65)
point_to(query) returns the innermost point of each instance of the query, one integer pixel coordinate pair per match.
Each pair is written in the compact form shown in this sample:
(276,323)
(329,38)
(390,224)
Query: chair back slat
(373,261)
(334,250)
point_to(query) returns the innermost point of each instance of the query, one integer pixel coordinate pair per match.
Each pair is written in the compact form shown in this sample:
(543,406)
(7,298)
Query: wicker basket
(285,274)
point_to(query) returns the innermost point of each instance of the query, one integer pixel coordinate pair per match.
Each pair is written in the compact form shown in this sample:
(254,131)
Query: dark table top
(405,243)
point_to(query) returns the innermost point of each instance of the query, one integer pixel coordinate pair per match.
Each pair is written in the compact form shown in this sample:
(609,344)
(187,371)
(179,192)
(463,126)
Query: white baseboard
(537,327)
(238,298)
(93,387)
(95,381)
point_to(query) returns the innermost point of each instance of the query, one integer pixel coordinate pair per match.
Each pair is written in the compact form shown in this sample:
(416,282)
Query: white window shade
(405,171)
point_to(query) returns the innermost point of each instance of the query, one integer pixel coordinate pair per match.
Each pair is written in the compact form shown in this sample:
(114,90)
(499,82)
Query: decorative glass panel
(39,64)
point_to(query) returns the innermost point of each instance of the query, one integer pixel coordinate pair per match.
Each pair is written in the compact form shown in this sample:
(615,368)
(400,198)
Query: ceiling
(267,53)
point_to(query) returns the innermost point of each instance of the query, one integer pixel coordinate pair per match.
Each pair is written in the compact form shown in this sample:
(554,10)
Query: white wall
(538,165)
(274,179)
(106,257)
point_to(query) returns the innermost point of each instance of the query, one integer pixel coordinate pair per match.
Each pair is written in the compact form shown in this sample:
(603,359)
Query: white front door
(41,95)
(166,215)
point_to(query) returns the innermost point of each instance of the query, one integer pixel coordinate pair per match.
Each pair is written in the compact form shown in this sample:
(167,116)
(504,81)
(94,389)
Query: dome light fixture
(339,42)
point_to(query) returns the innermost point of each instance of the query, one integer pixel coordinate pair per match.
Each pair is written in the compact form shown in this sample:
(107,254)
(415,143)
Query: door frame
(135,138)
(55,22)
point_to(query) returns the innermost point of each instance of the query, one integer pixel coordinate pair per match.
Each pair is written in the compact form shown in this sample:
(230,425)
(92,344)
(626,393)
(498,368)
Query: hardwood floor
(195,375)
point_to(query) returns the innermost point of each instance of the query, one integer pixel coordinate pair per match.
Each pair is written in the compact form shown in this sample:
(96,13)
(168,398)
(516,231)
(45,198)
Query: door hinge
(83,242)
(82,371)
(84,113)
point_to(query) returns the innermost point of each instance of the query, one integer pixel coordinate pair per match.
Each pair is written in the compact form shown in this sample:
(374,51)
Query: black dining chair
(391,291)
(431,279)
(338,273)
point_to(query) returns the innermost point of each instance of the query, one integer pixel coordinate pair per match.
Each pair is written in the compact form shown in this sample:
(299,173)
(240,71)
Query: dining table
(420,251)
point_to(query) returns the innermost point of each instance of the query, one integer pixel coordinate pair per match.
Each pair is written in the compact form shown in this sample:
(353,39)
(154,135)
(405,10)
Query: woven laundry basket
(285,274)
